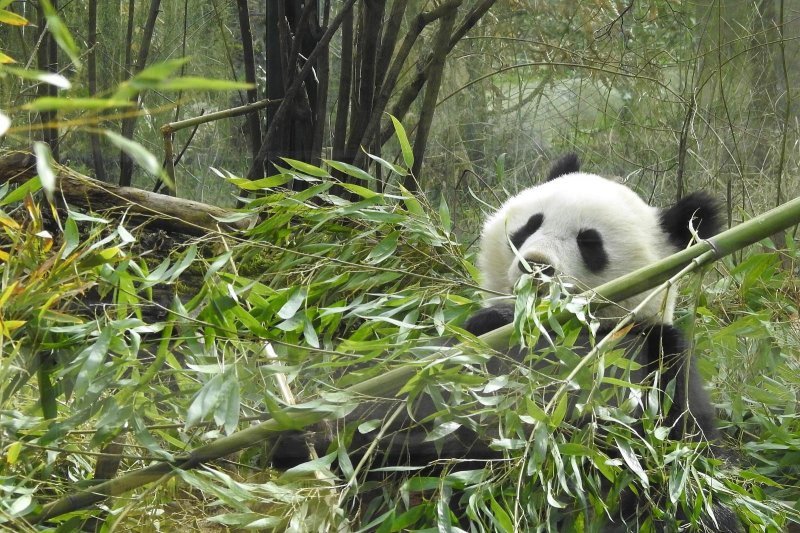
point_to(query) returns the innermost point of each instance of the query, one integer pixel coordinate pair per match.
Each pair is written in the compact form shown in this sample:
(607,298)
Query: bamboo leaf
(206,400)
(135,151)
(188,83)
(71,237)
(51,78)
(632,461)
(264,183)
(44,168)
(30,186)
(6,59)
(359,190)
(5,123)
(388,166)
(350,170)
(91,359)
(441,430)
(12,19)
(384,249)
(50,103)
(293,304)
(405,146)
(307,168)
(60,33)
(501,518)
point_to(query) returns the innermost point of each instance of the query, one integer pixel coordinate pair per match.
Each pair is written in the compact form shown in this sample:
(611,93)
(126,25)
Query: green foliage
(164,354)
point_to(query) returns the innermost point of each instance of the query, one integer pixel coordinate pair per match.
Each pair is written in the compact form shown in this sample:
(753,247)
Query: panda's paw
(490,318)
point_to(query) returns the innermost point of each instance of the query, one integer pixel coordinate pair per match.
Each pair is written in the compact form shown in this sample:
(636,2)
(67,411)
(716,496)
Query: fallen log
(156,210)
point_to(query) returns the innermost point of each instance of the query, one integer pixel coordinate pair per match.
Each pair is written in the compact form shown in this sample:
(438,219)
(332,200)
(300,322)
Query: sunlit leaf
(21,505)
(502,519)
(50,78)
(441,430)
(12,19)
(412,204)
(6,59)
(135,151)
(150,77)
(5,123)
(71,237)
(44,168)
(444,214)
(12,453)
(263,183)
(205,401)
(359,190)
(50,103)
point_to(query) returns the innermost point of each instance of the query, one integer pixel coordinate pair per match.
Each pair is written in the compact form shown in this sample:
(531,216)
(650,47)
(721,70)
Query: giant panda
(586,230)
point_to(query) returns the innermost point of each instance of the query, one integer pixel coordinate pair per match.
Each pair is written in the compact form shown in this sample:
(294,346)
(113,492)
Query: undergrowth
(101,377)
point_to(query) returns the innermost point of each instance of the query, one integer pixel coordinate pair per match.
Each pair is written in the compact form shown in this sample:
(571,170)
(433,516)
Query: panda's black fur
(654,343)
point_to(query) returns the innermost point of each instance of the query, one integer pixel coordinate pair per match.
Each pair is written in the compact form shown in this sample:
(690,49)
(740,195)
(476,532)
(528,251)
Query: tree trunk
(97,154)
(253,122)
(440,51)
(129,124)
(47,60)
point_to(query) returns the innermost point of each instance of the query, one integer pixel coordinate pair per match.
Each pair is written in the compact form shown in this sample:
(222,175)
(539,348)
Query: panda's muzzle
(532,266)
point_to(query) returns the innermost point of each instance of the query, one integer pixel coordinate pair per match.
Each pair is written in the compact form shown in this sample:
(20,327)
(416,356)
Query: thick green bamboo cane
(744,234)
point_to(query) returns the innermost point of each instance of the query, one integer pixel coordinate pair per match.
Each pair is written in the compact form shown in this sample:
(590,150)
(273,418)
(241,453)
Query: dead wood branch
(158,210)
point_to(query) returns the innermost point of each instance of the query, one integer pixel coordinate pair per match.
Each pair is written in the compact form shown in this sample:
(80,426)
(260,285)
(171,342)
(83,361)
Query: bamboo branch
(172,127)
(752,231)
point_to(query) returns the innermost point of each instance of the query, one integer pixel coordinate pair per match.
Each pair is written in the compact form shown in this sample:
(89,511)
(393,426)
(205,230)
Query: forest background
(386,130)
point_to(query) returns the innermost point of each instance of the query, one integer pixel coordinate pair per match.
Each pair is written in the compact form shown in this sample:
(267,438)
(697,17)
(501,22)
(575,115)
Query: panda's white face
(589,229)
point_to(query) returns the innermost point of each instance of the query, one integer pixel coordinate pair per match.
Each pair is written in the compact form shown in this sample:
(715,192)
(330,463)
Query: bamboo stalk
(172,127)
(752,231)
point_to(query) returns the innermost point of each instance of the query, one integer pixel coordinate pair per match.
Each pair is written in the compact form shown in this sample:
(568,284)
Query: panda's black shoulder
(566,164)
(490,318)
(663,339)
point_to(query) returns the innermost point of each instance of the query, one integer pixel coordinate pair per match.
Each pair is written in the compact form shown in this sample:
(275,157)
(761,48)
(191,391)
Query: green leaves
(218,397)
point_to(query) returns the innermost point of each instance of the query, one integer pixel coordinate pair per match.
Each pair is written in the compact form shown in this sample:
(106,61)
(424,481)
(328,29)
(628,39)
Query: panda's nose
(536,264)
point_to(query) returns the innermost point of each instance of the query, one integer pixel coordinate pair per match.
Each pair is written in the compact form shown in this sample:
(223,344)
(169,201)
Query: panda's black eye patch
(592,251)
(520,236)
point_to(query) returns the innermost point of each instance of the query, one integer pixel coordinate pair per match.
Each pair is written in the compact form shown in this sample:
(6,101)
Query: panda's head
(588,230)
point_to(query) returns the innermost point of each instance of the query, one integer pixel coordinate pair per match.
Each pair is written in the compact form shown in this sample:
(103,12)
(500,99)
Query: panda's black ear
(698,208)
(566,164)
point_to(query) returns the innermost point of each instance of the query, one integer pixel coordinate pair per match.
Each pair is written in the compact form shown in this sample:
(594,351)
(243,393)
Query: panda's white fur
(630,229)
